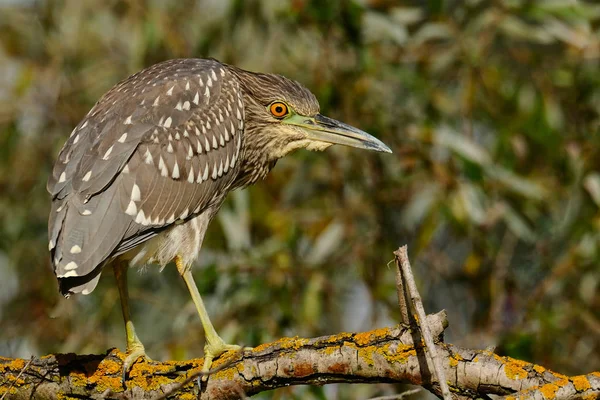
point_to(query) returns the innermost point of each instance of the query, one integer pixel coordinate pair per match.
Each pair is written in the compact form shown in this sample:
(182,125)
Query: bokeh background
(492,109)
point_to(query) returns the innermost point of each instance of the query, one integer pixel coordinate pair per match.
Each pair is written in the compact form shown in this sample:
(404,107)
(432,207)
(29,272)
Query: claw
(213,350)
(135,351)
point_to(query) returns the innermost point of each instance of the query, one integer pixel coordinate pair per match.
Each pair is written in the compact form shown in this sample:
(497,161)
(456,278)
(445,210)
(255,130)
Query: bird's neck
(255,161)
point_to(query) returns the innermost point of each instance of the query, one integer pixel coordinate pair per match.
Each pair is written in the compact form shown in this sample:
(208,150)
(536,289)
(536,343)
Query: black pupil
(279,109)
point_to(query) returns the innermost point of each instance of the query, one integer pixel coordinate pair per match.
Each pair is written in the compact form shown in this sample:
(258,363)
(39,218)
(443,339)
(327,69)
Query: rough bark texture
(381,355)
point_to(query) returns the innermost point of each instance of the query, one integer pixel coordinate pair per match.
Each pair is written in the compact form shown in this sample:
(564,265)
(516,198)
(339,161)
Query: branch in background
(386,355)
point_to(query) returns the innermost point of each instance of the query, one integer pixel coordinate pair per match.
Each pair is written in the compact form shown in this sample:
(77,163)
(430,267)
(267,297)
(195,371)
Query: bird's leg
(215,346)
(135,348)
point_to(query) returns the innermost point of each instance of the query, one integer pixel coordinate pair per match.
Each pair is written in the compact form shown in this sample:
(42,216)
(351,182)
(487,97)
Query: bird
(142,175)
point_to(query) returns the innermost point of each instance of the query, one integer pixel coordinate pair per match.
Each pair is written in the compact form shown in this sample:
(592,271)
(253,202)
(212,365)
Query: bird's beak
(329,130)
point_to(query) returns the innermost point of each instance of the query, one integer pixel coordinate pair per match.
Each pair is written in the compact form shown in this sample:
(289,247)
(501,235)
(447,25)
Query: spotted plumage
(145,171)
(152,153)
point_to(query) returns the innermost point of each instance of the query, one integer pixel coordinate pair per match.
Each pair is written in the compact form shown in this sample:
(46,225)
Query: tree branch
(382,355)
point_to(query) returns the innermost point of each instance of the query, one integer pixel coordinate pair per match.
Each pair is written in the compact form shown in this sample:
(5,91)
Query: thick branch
(382,355)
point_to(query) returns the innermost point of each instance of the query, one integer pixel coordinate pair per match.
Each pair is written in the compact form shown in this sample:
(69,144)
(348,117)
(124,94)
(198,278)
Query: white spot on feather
(187,85)
(71,266)
(70,274)
(128,120)
(170,91)
(215,172)
(76,139)
(75,250)
(126,169)
(141,218)
(148,157)
(51,245)
(207,92)
(215,144)
(186,105)
(83,125)
(184,214)
(163,168)
(62,178)
(220,172)
(212,73)
(196,98)
(135,193)
(191,175)
(107,154)
(209,82)
(167,123)
(131,209)
(205,175)
(87,176)
(170,148)
(86,212)
(175,174)
(123,138)
(155,104)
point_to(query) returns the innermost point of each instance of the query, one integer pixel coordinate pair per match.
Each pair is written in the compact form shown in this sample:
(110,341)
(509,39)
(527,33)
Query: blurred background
(492,109)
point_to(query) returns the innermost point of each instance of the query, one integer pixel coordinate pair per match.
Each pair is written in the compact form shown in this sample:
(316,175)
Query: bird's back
(157,150)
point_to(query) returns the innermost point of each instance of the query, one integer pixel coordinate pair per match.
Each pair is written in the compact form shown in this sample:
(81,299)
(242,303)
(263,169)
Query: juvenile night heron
(143,174)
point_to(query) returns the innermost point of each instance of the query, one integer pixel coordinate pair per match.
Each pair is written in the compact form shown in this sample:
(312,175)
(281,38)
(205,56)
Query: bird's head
(281,115)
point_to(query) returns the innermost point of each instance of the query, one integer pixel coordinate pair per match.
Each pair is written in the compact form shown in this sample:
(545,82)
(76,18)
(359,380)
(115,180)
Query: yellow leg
(215,346)
(135,348)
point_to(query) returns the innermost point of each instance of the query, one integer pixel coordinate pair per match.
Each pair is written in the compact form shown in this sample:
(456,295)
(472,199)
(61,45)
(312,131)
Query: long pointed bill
(329,130)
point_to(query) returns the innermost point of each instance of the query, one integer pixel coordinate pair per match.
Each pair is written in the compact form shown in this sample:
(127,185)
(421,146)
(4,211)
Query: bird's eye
(279,110)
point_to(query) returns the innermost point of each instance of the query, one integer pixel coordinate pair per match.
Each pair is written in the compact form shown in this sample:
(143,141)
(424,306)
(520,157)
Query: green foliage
(492,110)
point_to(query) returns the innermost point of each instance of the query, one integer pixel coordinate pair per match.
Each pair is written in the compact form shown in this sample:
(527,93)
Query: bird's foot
(214,349)
(135,351)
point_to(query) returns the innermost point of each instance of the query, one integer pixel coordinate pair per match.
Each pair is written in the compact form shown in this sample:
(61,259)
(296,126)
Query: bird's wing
(157,149)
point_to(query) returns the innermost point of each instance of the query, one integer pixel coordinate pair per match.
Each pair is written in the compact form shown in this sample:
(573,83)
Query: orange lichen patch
(454,359)
(514,369)
(105,375)
(329,350)
(366,338)
(285,343)
(581,383)
(15,365)
(150,376)
(549,390)
(539,369)
(339,337)
(399,355)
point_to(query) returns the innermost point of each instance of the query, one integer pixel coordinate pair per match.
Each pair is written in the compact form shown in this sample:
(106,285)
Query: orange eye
(278,109)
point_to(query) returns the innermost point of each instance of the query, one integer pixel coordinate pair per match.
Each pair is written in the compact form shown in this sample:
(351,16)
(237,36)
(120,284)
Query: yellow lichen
(365,338)
(581,383)
(549,390)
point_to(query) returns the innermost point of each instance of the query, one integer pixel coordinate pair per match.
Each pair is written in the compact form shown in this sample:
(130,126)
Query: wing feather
(152,152)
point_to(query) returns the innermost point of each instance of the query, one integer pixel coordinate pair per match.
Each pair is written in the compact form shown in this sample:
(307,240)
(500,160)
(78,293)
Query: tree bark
(392,355)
